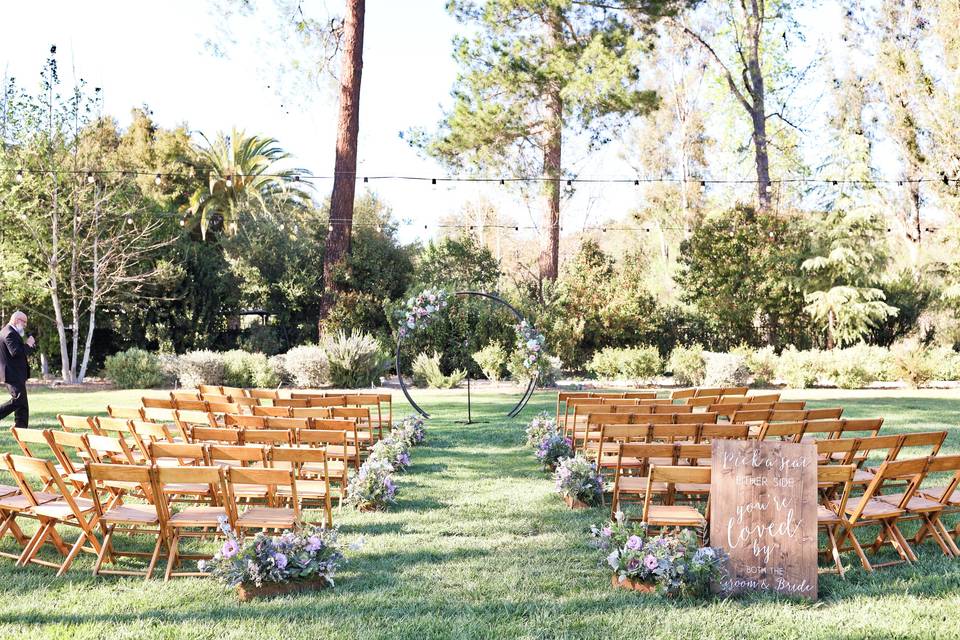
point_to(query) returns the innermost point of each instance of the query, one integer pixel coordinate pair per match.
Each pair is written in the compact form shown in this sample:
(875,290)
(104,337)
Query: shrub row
(345,361)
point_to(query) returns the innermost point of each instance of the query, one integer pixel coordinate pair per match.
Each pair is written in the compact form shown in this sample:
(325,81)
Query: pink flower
(229,549)
(650,562)
(634,543)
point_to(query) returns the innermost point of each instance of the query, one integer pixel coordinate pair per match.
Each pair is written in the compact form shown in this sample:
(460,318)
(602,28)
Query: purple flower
(229,549)
(606,532)
(633,565)
(650,562)
(634,542)
(280,560)
(314,544)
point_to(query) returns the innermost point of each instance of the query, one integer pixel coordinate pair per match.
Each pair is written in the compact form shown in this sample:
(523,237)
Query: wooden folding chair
(205,389)
(668,514)
(869,509)
(311,412)
(187,396)
(71,451)
(221,409)
(196,521)
(219,435)
(928,506)
(13,505)
(633,464)
(228,456)
(361,416)
(263,394)
(64,510)
(729,431)
(186,420)
(292,402)
(339,453)
(146,432)
(312,475)
(131,519)
(270,481)
(273,437)
(833,480)
(244,422)
(234,392)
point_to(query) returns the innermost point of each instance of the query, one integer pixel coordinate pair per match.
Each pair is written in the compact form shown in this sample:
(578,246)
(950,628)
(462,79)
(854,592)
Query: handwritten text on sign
(764,515)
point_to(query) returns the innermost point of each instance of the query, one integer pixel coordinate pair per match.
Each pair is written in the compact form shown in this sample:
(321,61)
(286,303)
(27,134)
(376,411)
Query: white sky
(152,53)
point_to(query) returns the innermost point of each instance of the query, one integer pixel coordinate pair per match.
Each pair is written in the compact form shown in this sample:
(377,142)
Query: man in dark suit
(14,369)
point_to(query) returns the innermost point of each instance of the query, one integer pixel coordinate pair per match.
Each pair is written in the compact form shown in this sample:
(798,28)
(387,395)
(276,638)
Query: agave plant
(243,178)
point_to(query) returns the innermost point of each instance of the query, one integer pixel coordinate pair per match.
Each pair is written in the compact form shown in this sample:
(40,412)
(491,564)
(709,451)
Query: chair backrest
(269,479)
(785,430)
(157,403)
(212,476)
(765,398)
(244,455)
(865,426)
(822,428)
(272,412)
(943,464)
(912,470)
(69,448)
(694,454)
(32,442)
(189,394)
(839,477)
(130,413)
(709,432)
(186,419)
(681,394)
(206,389)
(112,474)
(244,421)
(156,414)
(109,450)
(223,408)
(636,456)
(75,423)
(932,439)
(216,397)
(106,426)
(287,423)
(222,435)
(310,412)
(292,402)
(185,453)
(329,401)
(33,472)
(671,475)
(234,392)
(199,406)
(356,413)
(694,418)
(147,432)
(298,456)
(675,432)
(263,394)
(321,437)
(244,401)
(277,437)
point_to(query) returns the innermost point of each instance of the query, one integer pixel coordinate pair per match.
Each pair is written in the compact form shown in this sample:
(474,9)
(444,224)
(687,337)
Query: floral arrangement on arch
(538,428)
(421,309)
(308,552)
(530,344)
(675,563)
(372,488)
(552,448)
(577,478)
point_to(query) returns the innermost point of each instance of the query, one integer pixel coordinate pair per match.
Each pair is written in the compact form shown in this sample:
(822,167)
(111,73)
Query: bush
(579,479)
(762,364)
(200,367)
(688,365)
(134,369)
(548,368)
(278,366)
(307,366)
(725,369)
(261,339)
(354,361)
(799,369)
(237,368)
(945,362)
(913,363)
(492,360)
(426,372)
(637,363)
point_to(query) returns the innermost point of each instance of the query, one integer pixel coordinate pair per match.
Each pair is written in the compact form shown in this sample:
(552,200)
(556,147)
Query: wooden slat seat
(198,516)
(674,515)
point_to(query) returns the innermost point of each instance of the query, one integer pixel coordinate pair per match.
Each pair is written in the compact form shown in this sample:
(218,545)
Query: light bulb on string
(502,182)
(366,179)
(129,220)
(433,182)
(158,180)
(703,184)
(281,226)
(296,178)
(229,182)
(379,229)
(769,187)
(19,175)
(183,222)
(330,227)
(90,178)
(636,183)
(569,183)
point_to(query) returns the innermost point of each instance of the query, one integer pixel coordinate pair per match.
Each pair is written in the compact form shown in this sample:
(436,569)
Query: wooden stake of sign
(763,498)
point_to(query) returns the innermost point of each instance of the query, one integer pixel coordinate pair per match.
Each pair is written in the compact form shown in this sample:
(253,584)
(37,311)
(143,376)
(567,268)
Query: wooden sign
(763,502)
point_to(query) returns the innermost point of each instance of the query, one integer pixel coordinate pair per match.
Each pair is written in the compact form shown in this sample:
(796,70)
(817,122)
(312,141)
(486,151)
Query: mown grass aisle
(479,547)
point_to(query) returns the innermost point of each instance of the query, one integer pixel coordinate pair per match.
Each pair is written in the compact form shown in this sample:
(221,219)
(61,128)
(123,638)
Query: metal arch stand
(531,386)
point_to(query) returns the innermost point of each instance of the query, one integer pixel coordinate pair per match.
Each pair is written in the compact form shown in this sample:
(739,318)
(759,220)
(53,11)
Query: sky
(155,54)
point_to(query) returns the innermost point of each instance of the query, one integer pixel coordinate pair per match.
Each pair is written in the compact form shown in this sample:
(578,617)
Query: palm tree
(243,178)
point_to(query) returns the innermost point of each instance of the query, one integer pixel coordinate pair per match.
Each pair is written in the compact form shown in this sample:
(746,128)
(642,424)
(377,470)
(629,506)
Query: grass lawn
(480,547)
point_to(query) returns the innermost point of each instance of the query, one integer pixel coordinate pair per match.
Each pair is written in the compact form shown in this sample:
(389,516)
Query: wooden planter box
(573,503)
(633,585)
(248,591)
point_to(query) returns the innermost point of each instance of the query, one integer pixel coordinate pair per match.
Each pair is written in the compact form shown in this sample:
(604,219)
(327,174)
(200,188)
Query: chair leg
(154,558)
(947,536)
(104,550)
(172,557)
(834,551)
(74,550)
(935,532)
(33,547)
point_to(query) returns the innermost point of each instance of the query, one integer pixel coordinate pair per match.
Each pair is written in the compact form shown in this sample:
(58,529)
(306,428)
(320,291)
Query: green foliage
(725,369)
(742,267)
(799,369)
(307,366)
(427,373)
(354,360)
(946,363)
(688,365)
(548,369)
(637,363)
(134,369)
(762,364)
(912,363)
(456,264)
(200,367)
(245,369)
(849,253)
(492,360)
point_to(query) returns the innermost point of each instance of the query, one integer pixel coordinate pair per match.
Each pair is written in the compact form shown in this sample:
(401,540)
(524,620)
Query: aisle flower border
(373,487)
(421,310)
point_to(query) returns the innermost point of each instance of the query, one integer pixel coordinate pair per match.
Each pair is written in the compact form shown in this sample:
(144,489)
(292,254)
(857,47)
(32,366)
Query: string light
(129,220)
(158,180)
(229,182)
(183,222)
(19,175)
(433,181)
(366,179)
(90,178)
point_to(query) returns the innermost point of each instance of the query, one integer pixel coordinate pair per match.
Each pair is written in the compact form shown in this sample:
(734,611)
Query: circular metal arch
(531,386)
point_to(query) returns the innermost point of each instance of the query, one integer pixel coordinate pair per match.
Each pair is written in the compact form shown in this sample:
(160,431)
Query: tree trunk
(758,114)
(830,324)
(345,169)
(550,253)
